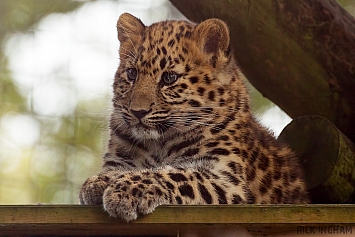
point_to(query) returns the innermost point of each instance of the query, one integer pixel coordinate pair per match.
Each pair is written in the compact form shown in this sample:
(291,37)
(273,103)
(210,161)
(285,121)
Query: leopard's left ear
(212,36)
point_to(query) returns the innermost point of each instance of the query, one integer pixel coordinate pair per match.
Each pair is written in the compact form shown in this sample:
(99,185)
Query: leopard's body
(182,131)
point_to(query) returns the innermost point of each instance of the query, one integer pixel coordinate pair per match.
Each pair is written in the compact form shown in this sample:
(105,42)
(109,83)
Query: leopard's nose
(140,113)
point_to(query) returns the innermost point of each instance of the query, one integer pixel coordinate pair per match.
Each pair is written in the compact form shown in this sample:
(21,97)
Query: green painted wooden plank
(206,221)
(183,214)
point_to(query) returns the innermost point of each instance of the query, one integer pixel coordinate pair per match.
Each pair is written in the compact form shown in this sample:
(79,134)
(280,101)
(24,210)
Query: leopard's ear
(129,29)
(212,36)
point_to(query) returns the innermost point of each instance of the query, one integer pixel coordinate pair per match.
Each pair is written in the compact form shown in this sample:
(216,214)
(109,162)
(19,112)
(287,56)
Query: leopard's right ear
(212,37)
(129,29)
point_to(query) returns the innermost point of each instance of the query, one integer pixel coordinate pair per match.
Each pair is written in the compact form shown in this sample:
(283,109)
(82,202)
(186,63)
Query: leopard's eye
(132,74)
(169,78)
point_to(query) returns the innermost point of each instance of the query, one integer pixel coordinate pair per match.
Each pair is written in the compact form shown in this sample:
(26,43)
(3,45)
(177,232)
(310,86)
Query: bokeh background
(57,62)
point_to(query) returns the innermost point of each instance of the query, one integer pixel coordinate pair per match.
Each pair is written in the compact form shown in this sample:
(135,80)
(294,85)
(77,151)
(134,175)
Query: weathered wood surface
(223,220)
(299,54)
(327,157)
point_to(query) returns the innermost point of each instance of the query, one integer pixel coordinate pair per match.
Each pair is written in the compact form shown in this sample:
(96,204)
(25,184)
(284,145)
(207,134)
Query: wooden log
(327,156)
(299,53)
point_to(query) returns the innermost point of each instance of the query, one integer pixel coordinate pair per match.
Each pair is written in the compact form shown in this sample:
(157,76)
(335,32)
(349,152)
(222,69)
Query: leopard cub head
(173,76)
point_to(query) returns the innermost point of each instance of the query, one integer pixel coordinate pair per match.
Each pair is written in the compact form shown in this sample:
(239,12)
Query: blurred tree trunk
(299,54)
(327,158)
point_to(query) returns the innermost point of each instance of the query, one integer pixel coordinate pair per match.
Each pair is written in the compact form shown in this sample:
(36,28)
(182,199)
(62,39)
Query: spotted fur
(181,129)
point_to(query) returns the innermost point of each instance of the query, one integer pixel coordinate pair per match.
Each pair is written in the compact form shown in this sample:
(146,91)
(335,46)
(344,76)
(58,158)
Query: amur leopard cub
(181,129)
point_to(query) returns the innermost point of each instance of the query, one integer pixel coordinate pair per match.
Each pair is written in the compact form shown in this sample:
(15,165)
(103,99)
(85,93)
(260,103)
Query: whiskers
(175,121)
(98,113)
(189,118)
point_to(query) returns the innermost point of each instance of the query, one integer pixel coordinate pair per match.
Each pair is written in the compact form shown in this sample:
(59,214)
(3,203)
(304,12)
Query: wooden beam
(209,220)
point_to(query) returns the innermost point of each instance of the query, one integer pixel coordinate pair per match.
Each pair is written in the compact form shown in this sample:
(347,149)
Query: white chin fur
(145,134)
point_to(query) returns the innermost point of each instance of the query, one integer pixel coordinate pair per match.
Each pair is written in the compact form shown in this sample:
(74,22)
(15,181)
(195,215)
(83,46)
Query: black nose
(140,113)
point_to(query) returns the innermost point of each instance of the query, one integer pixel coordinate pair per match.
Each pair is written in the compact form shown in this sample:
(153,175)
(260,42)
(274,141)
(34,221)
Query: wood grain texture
(209,220)
(299,54)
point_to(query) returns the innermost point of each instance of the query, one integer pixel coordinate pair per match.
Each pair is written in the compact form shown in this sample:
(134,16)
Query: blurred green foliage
(21,15)
(68,148)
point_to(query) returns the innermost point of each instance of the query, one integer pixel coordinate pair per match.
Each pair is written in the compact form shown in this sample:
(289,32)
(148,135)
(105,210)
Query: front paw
(92,190)
(126,200)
